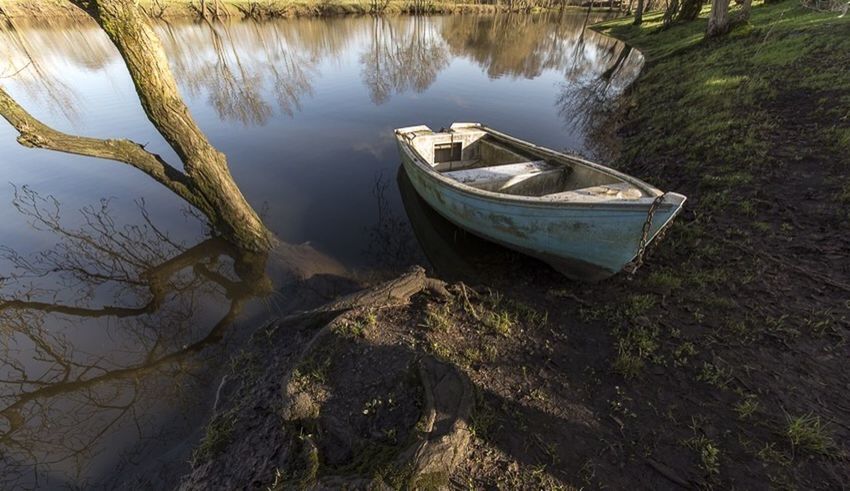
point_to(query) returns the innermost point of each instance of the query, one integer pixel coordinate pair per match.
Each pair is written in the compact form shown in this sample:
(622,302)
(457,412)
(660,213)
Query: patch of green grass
(217,435)
(770,455)
(747,406)
(500,322)
(715,375)
(807,432)
(528,314)
(762,227)
(438,318)
(664,279)
(442,351)
(482,420)
(313,370)
(597,312)
(356,325)
(491,352)
(350,328)
(709,454)
(634,347)
(638,305)
(741,331)
(707,277)
(780,325)
(823,321)
(683,353)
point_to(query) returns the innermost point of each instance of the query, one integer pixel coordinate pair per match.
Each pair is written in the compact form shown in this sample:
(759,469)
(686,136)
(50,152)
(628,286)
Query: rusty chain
(636,263)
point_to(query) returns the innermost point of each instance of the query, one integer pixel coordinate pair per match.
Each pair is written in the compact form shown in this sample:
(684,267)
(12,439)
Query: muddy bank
(411,384)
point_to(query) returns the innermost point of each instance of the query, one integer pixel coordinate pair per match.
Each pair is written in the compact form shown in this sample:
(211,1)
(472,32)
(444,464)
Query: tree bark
(718,20)
(639,13)
(142,51)
(744,14)
(670,13)
(690,10)
(35,134)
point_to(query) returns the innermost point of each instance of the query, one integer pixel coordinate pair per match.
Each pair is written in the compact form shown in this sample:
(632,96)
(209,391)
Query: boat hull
(586,242)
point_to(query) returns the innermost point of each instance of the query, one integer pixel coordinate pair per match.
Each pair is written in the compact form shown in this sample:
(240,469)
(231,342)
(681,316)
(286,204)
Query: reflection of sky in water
(304,111)
(293,104)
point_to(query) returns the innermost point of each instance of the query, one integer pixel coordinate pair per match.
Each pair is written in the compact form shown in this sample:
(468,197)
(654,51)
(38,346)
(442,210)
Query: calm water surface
(116,307)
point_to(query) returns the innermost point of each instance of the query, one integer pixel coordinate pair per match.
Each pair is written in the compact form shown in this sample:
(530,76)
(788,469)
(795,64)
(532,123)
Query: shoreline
(276,9)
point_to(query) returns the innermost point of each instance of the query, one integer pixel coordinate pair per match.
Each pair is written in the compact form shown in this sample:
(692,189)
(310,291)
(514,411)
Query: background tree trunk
(689,10)
(718,21)
(639,13)
(744,14)
(206,167)
(670,13)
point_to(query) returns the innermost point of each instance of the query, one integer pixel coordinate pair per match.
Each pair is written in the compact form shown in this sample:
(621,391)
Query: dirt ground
(568,394)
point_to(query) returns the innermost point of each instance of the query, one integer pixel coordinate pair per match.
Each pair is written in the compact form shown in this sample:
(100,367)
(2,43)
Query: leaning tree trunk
(718,21)
(206,167)
(639,13)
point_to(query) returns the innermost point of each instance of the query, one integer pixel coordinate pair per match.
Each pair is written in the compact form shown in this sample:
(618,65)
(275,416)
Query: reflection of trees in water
(592,93)
(392,245)
(521,45)
(248,68)
(114,320)
(236,78)
(402,55)
(596,68)
(103,326)
(22,47)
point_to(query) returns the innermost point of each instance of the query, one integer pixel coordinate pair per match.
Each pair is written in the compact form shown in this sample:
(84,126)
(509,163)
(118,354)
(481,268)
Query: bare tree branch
(35,134)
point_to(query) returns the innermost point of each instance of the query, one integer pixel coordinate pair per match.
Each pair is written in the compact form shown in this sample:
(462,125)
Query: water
(115,304)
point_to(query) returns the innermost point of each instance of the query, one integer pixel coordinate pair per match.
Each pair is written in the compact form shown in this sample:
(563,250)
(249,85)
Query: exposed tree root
(439,440)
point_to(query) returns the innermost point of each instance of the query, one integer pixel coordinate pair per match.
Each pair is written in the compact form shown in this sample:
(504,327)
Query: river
(117,309)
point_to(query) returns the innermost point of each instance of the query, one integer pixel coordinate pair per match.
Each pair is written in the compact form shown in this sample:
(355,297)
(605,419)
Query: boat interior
(478,159)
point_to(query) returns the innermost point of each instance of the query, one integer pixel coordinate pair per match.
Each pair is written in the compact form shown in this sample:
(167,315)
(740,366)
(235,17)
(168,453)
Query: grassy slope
(701,101)
(736,331)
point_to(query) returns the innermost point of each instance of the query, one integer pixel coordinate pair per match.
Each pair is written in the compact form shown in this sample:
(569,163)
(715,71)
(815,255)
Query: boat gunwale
(676,199)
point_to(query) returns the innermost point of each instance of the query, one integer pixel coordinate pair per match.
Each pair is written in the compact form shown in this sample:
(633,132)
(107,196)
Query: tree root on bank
(391,293)
(430,445)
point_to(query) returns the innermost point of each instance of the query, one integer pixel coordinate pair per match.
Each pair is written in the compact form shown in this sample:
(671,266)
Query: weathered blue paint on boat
(583,240)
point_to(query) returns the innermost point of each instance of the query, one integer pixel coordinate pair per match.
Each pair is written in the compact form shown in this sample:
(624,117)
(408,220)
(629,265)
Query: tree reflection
(392,246)
(62,390)
(236,79)
(111,327)
(592,93)
(401,56)
(511,44)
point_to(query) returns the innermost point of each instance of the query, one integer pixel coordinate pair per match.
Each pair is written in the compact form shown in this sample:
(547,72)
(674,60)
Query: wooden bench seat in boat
(507,178)
(604,192)
(539,178)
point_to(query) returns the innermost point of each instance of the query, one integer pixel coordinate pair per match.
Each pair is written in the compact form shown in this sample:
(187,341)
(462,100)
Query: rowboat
(586,220)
